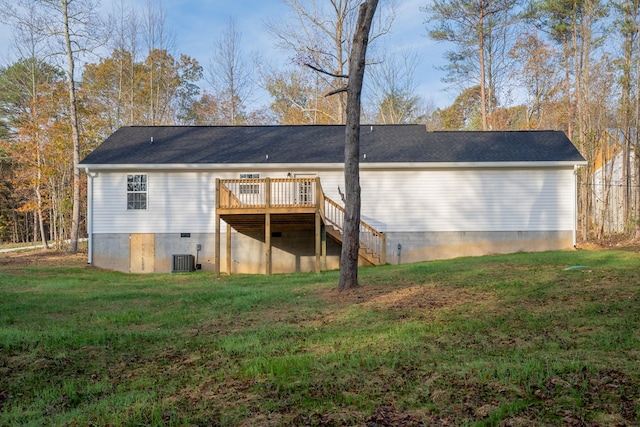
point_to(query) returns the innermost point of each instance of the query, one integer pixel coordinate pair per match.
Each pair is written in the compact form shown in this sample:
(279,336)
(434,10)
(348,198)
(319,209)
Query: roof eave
(206,166)
(329,166)
(470,165)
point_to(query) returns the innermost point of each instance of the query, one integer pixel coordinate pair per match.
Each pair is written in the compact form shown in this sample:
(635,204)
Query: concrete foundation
(416,247)
(290,252)
(294,251)
(110,251)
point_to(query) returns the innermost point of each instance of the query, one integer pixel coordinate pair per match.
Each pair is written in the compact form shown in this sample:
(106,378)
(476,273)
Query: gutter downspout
(89,215)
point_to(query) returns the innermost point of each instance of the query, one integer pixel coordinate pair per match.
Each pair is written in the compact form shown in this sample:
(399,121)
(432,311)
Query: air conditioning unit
(182,264)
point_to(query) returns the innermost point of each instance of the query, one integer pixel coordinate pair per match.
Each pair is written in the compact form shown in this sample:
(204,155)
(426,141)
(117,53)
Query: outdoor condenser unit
(182,263)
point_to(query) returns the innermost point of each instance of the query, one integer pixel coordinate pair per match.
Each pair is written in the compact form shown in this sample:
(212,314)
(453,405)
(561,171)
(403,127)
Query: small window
(136,192)
(305,192)
(249,188)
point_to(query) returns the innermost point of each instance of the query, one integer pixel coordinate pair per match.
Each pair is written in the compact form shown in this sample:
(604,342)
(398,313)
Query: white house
(256,199)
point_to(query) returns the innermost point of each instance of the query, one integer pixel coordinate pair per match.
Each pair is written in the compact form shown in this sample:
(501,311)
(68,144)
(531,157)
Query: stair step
(366,252)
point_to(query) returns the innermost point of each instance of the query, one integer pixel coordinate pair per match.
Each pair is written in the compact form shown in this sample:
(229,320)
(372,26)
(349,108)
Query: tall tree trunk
(483,79)
(605,210)
(39,150)
(75,132)
(581,48)
(629,30)
(38,192)
(567,89)
(340,60)
(351,240)
(14,229)
(636,143)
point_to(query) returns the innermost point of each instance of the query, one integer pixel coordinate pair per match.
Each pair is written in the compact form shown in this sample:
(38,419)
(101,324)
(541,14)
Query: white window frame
(249,188)
(305,190)
(137,191)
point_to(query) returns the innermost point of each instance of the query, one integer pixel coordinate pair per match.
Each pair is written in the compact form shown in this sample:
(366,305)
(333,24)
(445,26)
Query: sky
(196,24)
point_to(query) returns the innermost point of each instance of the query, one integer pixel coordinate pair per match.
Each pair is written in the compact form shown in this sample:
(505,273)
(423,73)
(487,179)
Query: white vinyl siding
(469,200)
(178,202)
(534,199)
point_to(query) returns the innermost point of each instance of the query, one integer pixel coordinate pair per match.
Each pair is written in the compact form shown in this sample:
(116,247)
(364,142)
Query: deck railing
(269,192)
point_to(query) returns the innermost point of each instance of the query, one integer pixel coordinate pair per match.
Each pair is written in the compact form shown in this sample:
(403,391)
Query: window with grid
(305,192)
(136,192)
(249,188)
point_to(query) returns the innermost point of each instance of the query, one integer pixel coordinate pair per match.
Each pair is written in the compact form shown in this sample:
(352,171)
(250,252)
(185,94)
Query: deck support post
(217,257)
(216,260)
(267,226)
(228,249)
(318,241)
(324,247)
(267,243)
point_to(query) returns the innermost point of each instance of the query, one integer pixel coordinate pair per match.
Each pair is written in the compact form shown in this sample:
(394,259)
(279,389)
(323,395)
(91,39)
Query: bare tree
(393,87)
(317,34)
(159,42)
(77,27)
(124,43)
(292,96)
(230,75)
(537,74)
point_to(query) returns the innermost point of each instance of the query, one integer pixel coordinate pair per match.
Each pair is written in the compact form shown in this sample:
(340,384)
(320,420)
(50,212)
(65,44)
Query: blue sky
(196,24)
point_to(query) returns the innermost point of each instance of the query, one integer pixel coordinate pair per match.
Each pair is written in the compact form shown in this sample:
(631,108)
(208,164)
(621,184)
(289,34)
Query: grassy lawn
(513,340)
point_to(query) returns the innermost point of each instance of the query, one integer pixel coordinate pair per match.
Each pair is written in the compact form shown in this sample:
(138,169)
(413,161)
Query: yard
(526,339)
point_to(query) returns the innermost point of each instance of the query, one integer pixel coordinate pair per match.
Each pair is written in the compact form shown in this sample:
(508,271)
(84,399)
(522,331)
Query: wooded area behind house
(546,64)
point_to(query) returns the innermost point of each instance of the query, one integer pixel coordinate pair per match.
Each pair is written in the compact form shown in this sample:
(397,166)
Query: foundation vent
(182,264)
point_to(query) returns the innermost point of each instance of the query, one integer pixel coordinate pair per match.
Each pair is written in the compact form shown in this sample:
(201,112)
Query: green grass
(499,340)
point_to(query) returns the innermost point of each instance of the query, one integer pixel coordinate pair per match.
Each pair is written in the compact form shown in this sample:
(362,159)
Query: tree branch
(336,91)
(340,76)
(341,195)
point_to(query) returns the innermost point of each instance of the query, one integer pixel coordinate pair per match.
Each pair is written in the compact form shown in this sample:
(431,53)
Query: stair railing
(372,241)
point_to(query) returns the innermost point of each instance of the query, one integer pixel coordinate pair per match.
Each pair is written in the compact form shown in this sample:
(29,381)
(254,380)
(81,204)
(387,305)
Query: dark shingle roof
(325,144)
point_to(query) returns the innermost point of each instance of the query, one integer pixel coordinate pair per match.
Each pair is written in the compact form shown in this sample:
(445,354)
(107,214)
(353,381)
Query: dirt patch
(388,415)
(428,296)
(42,258)
(589,246)
(622,243)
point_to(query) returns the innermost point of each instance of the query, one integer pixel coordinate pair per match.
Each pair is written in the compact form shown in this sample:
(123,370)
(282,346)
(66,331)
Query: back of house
(263,199)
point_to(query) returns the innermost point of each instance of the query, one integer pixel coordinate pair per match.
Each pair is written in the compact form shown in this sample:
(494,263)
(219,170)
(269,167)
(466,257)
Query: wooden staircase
(373,243)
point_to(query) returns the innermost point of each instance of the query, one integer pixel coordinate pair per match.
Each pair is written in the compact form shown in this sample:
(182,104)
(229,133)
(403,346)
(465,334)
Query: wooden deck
(282,204)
